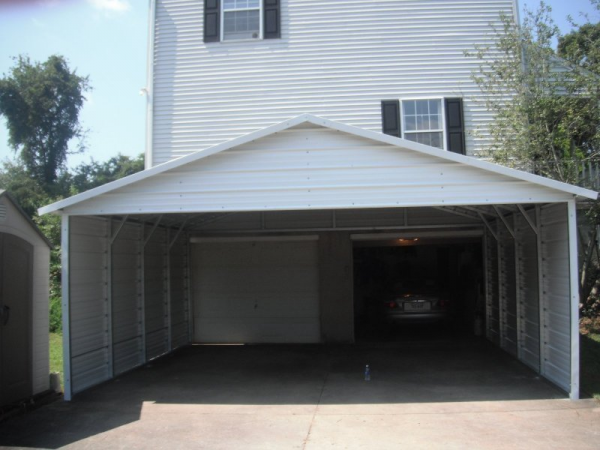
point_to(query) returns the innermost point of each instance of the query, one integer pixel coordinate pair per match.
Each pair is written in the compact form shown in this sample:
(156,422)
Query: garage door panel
(257,291)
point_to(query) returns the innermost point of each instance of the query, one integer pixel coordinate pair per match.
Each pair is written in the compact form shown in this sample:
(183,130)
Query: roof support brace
(479,211)
(528,219)
(505,222)
(118,230)
(488,226)
(458,211)
(172,242)
(152,230)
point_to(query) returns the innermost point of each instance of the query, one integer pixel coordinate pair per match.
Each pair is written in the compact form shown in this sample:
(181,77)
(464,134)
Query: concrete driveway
(449,393)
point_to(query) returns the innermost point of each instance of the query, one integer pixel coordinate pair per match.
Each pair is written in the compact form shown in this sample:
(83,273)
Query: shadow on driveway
(285,380)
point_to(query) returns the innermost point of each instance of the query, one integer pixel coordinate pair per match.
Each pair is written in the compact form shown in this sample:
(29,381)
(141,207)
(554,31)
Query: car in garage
(416,307)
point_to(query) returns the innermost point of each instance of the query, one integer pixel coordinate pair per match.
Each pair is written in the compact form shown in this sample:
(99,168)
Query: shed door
(261,291)
(15,318)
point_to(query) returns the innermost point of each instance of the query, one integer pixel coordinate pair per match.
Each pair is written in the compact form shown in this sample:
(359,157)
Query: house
(24,287)
(284,136)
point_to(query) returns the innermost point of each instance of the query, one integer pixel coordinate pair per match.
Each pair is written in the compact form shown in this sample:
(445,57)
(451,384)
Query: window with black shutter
(234,20)
(436,122)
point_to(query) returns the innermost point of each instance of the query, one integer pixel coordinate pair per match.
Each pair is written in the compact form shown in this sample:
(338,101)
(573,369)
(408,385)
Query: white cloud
(111,5)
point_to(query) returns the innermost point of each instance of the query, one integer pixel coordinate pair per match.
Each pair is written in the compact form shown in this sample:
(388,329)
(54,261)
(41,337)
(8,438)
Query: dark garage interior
(447,272)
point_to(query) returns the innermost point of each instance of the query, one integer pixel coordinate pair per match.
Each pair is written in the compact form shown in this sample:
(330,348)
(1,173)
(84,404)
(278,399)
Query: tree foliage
(94,174)
(41,103)
(27,191)
(546,108)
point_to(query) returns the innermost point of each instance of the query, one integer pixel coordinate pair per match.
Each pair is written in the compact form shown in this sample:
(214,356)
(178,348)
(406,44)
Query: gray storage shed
(24,290)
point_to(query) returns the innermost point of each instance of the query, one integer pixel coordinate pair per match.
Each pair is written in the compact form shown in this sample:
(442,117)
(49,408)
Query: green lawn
(56,356)
(590,364)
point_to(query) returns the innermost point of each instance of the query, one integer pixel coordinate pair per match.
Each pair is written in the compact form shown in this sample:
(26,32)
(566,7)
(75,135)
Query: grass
(590,364)
(56,356)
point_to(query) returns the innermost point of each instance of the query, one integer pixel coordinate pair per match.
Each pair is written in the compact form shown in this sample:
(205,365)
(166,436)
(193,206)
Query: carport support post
(66,316)
(574,281)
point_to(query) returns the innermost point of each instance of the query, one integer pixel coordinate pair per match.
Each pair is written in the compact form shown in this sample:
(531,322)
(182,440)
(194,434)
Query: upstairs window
(241,19)
(437,122)
(423,122)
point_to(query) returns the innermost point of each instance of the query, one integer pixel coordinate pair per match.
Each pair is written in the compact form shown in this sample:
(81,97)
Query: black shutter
(455,124)
(390,117)
(272,19)
(211,21)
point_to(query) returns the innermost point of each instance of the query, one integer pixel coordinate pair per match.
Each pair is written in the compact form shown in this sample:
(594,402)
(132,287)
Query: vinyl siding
(335,59)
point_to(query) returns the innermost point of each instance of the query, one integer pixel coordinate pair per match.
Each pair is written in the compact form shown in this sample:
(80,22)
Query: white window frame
(222,20)
(443,112)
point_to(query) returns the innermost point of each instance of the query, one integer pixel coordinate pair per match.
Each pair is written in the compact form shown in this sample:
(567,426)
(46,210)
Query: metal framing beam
(147,239)
(505,222)
(168,291)
(66,305)
(528,219)
(458,212)
(142,292)
(118,230)
(488,226)
(171,243)
(540,265)
(109,240)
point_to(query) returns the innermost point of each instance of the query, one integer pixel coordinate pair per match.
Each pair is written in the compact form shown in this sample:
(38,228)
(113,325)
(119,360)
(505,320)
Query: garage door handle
(4,314)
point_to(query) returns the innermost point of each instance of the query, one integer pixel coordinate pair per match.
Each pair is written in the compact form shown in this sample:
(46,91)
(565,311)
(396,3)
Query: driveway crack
(312,420)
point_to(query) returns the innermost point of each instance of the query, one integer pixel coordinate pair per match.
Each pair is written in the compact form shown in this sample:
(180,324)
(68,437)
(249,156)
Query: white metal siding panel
(529,302)
(88,302)
(492,306)
(157,342)
(508,301)
(179,292)
(335,59)
(256,292)
(556,316)
(126,298)
(315,168)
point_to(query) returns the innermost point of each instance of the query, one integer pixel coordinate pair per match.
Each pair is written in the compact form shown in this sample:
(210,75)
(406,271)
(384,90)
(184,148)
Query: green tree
(546,108)
(90,175)
(41,103)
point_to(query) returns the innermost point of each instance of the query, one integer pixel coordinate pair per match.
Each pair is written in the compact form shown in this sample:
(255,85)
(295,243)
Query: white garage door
(256,291)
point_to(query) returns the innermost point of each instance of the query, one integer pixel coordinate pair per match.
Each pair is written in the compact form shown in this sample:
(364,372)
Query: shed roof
(6,194)
(312,163)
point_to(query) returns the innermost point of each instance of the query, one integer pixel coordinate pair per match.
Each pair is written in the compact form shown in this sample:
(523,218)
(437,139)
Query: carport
(251,241)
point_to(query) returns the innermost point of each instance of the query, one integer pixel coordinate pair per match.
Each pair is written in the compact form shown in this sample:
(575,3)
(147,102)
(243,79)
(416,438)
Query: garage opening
(414,287)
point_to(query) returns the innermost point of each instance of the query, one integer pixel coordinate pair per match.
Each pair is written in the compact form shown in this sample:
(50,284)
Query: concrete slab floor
(450,393)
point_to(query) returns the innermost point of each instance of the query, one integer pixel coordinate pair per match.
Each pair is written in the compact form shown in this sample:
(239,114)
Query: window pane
(431,139)
(434,106)
(241,25)
(229,5)
(422,107)
(434,123)
(409,123)
(409,107)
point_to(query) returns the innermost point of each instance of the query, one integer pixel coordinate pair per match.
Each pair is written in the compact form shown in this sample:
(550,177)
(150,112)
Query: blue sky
(107,40)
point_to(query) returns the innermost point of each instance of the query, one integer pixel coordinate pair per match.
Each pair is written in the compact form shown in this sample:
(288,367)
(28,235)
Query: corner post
(574,282)
(66,316)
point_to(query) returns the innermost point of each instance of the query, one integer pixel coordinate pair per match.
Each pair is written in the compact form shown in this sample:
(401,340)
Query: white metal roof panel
(314,163)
